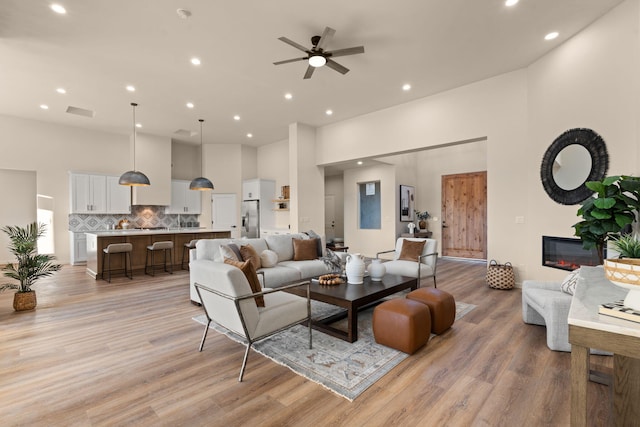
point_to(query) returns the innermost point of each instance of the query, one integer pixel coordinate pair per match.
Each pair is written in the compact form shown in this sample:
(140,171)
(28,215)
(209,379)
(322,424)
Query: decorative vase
(422,224)
(355,269)
(411,226)
(377,270)
(625,273)
(23,301)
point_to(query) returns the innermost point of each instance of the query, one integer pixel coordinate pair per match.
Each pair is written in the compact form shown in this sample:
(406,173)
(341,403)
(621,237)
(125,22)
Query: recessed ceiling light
(511,2)
(406,87)
(236,117)
(359,162)
(190,105)
(288,96)
(61,90)
(44,106)
(551,36)
(195,61)
(58,9)
(249,135)
(131,88)
(138,125)
(328,112)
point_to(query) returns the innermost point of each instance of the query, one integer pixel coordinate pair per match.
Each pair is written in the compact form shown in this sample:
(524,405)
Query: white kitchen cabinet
(184,200)
(251,189)
(118,196)
(88,193)
(78,248)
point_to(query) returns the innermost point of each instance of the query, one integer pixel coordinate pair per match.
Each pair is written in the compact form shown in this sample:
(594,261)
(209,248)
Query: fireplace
(566,253)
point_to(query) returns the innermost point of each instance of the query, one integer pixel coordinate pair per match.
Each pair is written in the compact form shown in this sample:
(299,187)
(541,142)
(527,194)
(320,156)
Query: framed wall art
(407,203)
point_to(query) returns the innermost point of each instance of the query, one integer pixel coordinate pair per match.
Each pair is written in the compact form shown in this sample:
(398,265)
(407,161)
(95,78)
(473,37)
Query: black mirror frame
(597,149)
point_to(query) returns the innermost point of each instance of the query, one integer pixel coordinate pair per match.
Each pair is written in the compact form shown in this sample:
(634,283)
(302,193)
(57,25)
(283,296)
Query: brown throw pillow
(305,249)
(411,249)
(249,254)
(252,277)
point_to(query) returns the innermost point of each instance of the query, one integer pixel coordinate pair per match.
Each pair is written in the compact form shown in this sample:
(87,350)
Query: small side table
(335,248)
(421,234)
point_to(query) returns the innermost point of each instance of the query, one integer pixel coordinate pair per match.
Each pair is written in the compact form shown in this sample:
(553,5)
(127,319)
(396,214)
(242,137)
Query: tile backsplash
(140,217)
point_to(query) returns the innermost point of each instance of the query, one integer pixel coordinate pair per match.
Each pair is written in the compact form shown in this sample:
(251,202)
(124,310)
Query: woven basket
(500,276)
(624,270)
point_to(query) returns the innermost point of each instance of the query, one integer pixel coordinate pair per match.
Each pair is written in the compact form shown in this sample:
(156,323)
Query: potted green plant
(624,271)
(614,206)
(422,217)
(30,265)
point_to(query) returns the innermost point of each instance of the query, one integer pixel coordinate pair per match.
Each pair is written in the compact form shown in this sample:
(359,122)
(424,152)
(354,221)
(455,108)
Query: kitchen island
(140,239)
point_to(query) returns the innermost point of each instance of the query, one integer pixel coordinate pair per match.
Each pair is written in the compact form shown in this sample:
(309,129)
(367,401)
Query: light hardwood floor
(126,353)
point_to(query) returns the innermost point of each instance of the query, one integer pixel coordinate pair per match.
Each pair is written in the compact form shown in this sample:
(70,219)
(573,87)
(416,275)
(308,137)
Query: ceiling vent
(80,112)
(184,132)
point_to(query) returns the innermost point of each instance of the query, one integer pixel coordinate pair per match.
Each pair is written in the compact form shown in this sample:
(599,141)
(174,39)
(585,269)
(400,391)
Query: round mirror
(571,167)
(575,157)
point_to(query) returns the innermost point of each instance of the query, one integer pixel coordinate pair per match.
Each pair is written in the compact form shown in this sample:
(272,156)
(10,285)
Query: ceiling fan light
(134,179)
(317,60)
(201,183)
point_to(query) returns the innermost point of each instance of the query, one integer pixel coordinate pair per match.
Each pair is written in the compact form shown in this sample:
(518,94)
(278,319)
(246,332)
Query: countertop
(144,232)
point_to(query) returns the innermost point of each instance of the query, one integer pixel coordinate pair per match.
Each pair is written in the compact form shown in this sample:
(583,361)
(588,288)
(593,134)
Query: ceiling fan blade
(347,51)
(335,66)
(309,72)
(325,38)
(294,44)
(286,61)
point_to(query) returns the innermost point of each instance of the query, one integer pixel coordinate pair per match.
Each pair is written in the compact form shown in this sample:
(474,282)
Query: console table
(420,234)
(588,329)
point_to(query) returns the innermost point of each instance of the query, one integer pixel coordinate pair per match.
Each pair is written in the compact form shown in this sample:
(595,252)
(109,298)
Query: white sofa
(206,258)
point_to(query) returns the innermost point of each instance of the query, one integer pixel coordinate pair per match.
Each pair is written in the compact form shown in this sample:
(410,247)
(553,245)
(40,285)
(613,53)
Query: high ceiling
(100,46)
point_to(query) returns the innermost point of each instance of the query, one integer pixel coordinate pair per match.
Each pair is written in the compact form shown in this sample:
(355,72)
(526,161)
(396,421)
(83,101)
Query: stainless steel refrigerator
(250,218)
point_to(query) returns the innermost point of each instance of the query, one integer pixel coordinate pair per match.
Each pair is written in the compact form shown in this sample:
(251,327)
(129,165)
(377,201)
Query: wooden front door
(464,215)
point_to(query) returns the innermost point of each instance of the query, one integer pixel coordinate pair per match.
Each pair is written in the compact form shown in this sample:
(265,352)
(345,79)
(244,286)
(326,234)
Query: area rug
(346,369)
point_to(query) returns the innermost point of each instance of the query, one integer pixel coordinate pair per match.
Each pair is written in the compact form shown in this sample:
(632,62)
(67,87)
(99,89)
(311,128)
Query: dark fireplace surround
(566,253)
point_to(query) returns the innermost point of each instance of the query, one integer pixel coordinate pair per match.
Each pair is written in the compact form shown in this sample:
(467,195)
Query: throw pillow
(411,249)
(568,285)
(252,277)
(236,250)
(249,254)
(312,234)
(305,249)
(227,253)
(268,258)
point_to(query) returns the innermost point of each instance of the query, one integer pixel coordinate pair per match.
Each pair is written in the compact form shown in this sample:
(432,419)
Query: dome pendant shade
(201,183)
(134,178)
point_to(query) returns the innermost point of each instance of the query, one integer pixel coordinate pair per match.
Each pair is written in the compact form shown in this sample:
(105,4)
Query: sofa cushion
(228,253)
(268,258)
(305,250)
(249,254)
(210,249)
(411,250)
(306,269)
(282,244)
(568,285)
(279,275)
(252,278)
(258,244)
(313,235)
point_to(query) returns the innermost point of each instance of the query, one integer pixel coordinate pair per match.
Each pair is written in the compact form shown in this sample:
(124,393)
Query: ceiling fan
(318,56)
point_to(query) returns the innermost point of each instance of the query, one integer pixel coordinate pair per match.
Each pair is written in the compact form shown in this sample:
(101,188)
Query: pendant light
(201,183)
(133,177)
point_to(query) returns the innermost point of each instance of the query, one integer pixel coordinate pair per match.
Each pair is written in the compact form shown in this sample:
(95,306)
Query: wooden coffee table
(353,298)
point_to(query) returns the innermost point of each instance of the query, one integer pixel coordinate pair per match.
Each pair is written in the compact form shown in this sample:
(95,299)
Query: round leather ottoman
(442,307)
(402,324)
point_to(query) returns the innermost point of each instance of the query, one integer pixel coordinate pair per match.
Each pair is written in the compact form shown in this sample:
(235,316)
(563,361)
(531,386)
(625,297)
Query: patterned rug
(346,369)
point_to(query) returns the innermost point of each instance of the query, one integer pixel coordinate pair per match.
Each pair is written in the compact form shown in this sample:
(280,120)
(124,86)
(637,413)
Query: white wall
(19,204)
(368,241)
(52,151)
(153,158)
(273,163)
(185,161)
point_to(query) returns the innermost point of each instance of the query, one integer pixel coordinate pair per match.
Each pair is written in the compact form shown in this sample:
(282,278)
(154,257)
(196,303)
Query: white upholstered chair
(423,267)
(226,299)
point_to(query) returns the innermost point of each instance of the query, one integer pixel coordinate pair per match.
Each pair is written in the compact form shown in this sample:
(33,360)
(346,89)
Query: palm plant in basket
(30,265)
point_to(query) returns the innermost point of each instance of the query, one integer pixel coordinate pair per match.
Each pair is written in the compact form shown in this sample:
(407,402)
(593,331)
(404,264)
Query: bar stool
(159,246)
(117,248)
(185,251)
